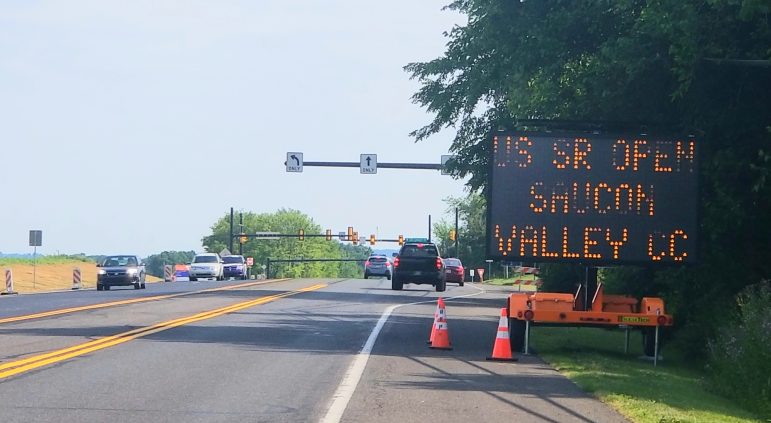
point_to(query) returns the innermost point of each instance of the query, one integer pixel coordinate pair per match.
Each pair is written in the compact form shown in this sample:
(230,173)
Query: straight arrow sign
(368,163)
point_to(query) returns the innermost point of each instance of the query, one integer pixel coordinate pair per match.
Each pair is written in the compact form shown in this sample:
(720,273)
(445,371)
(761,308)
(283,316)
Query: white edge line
(347,387)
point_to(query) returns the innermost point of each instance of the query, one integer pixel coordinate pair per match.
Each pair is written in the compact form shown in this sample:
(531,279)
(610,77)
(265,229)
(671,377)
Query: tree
(691,66)
(283,221)
(471,231)
(154,263)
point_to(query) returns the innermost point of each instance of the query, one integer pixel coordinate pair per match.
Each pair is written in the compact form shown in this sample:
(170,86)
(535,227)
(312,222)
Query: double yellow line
(124,302)
(34,362)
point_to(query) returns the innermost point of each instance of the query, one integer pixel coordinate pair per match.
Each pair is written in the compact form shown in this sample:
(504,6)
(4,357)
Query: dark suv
(418,263)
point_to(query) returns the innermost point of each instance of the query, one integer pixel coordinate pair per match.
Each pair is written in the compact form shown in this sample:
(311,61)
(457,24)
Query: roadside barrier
(502,345)
(8,283)
(527,270)
(76,280)
(181,273)
(481,273)
(537,282)
(168,273)
(441,333)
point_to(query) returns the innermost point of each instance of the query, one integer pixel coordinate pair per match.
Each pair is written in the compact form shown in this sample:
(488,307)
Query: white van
(207,265)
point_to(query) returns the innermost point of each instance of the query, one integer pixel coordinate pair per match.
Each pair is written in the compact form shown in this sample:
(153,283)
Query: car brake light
(366,263)
(438,263)
(420,245)
(396,262)
(388,264)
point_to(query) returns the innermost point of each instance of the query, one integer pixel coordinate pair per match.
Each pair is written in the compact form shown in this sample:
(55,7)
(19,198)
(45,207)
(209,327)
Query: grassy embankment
(51,273)
(674,391)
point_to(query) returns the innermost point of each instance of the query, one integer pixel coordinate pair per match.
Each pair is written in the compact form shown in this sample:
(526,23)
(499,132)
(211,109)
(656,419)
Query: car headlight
(131,271)
(102,272)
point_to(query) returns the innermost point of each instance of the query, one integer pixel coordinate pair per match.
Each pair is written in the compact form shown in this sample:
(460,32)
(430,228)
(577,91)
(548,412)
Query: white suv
(207,265)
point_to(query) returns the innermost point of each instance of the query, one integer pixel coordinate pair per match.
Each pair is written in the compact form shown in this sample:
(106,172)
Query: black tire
(106,287)
(396,284)
(366,276)
(460,283)
(388,276)
(137,285)
(99,287)
(441,286)
(517,334)
(649,341)
(192,279)
(143,286)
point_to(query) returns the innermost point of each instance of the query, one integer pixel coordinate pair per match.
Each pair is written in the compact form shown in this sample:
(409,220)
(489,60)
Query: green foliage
(745,339)
(57,259)
(154,263)
(471,230)
(286,222)
(690,66)
(561,277)
(673,391)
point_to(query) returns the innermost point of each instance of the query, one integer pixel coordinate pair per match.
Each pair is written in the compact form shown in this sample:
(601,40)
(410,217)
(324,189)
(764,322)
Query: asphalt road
(278,352)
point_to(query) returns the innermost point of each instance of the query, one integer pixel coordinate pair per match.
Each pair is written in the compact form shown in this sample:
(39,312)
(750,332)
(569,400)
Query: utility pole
(429,228)
(241,230)
(457,253)
(231,229)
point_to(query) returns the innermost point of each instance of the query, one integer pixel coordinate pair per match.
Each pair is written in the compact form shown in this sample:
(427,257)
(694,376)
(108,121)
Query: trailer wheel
(517,334)
(649,341)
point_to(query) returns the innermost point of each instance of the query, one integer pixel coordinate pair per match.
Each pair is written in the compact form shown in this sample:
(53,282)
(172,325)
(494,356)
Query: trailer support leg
(626,340)
(656,348)
(527,337)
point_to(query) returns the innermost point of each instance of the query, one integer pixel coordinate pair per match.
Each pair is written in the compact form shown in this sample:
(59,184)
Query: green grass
(61,259)
(510,281)
(674,391)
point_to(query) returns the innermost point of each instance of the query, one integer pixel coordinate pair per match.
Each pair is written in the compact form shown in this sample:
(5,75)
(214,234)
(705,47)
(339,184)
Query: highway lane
(283,361)
(27,304)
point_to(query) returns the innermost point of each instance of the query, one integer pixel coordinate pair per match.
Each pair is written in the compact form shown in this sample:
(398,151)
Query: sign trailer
(598,200)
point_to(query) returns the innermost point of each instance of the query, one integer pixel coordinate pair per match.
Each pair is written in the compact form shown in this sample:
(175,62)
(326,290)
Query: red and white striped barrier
(527,270)
(8,283)
(168,273)
(537,282)
(76,279)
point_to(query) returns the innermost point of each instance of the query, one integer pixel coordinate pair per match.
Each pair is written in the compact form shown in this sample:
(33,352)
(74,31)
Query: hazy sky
(133,126)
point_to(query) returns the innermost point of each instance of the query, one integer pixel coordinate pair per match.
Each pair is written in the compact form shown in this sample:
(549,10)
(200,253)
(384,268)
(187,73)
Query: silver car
(377,265)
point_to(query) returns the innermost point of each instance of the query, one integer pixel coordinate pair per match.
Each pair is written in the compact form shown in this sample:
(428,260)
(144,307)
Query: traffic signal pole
(428,166)
(241,226)
(457,253)
(231,229)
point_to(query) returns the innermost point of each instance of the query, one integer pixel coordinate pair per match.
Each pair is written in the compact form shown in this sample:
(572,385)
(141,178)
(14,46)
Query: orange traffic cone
(439,305)
(502,347)
(441,339)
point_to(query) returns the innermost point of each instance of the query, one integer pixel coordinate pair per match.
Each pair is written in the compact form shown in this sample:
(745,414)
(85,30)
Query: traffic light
(452,234)
(372,239)
(329,235)
(401,239)
(355,238)
(301,234)
(350,233)
(243,238)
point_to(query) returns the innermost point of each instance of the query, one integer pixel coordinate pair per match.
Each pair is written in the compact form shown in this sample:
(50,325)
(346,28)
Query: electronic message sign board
(596,199)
